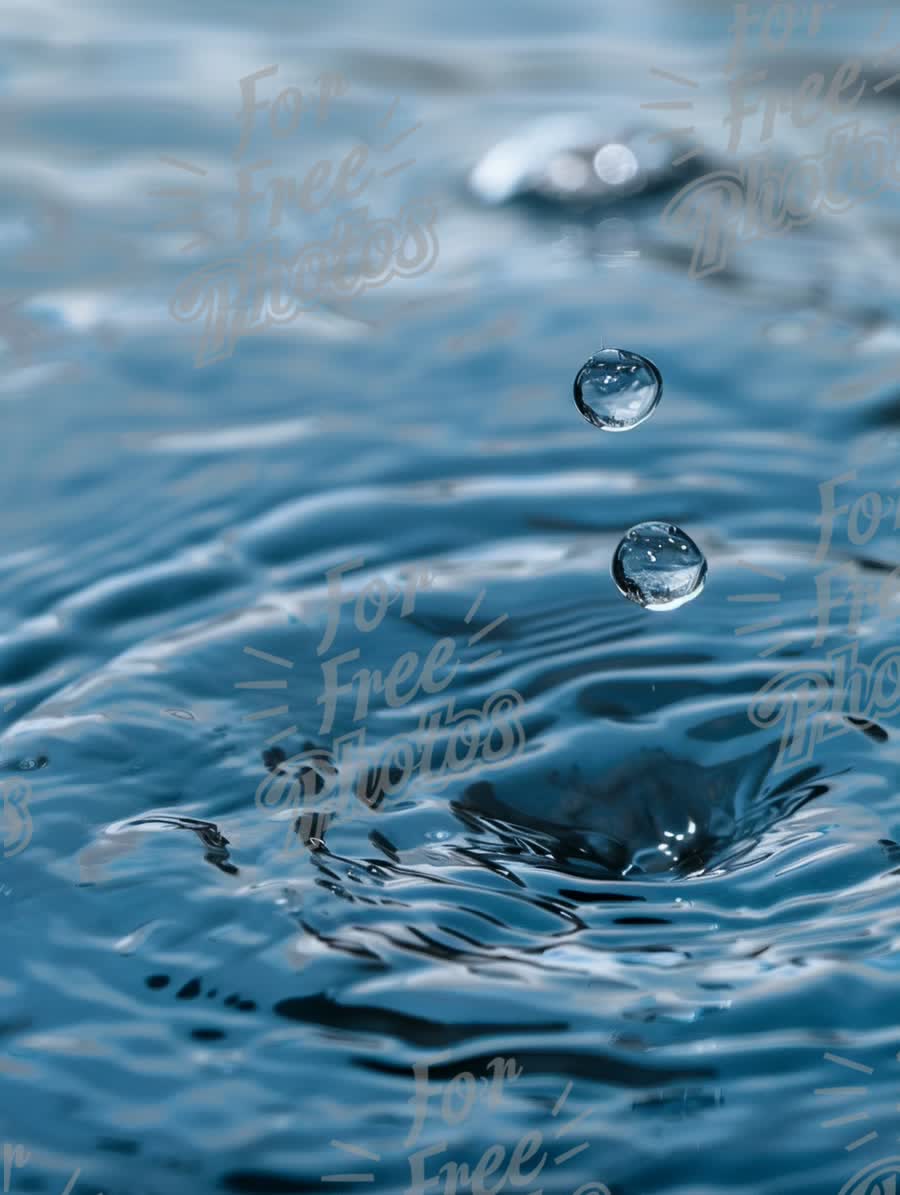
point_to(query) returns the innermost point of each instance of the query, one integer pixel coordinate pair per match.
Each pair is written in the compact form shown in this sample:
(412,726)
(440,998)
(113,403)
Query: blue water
(680,934)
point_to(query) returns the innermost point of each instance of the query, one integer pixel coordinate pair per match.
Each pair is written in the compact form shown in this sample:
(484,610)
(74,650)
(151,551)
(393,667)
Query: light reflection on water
(647,907)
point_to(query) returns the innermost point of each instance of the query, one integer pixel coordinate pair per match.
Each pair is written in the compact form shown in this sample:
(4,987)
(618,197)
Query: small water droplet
(658,566)
(616,390)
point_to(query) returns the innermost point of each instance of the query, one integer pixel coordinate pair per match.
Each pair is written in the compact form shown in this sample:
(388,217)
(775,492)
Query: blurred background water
(681,938)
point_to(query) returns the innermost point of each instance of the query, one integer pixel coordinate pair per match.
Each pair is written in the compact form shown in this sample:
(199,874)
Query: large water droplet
(659,567)
(616,390)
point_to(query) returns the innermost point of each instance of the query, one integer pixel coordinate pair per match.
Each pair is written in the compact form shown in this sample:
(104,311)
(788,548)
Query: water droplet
(658,566)
(616,390)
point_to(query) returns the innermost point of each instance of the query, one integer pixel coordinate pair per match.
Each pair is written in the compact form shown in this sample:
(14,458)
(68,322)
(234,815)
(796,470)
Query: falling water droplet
(616,390)
(658,566)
